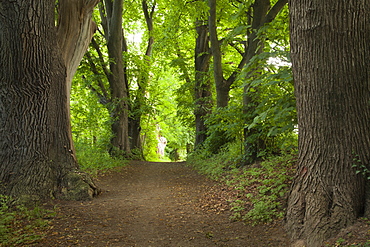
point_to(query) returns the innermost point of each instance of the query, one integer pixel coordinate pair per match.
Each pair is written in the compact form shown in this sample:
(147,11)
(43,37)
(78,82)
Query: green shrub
(93,159)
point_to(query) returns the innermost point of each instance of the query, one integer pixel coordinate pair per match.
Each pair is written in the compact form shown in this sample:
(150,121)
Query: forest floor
(166,204)
(157,204)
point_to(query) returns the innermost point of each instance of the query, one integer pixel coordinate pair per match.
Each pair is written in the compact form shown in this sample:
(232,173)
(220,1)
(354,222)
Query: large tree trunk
(330,53)
(74,32)
(202,88)
(36,152)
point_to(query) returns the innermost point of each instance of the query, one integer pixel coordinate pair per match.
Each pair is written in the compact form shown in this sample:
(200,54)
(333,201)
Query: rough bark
(36,152)
(202,87)
(330,53)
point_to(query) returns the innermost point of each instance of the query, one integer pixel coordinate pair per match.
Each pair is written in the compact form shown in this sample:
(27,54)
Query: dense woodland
(214,78)
(169,71)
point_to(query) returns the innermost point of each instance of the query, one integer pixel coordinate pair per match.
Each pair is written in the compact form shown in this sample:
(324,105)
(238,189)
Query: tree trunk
(36,152)
(330,53)
(252,140)
(262,13)
(136,108)
(222,85)
(117,78)
(74,32)
(202,88)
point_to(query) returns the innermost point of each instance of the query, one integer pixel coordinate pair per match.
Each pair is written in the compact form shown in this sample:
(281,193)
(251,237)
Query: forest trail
(156,204)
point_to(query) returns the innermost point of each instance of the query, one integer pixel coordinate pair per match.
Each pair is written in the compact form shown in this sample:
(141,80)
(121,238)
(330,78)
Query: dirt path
(155,204)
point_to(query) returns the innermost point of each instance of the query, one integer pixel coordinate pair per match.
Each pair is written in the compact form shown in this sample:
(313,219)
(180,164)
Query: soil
(157,204)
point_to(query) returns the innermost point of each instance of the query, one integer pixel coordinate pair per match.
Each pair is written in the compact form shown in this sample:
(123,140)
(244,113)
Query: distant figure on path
(162,142)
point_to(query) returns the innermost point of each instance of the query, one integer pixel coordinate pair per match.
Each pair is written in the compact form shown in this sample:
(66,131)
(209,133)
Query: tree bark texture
(202,87)
(330,55)
(36,151)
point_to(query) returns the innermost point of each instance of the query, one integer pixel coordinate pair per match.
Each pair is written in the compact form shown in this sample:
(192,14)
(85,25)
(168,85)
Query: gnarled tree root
(78,186)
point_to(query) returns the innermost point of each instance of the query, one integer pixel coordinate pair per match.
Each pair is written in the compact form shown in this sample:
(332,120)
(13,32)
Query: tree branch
(101,57)
(100,83)
(274,11)
(237,48)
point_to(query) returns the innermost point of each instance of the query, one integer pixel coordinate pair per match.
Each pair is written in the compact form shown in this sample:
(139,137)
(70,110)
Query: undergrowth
(21,226)
(261,188)
(24,226)
(94,159)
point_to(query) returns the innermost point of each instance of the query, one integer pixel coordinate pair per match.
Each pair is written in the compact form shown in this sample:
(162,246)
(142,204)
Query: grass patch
(20,225)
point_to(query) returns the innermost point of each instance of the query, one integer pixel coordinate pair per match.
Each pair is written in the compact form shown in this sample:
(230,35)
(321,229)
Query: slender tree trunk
(263,14)
(143,80)
(36,152)
(222,85)
(252,140)
(112,22)
(202,88)
(330,52)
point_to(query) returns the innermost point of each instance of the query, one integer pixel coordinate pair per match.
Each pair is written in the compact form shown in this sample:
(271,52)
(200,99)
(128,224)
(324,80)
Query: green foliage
(19,225)
(261,188)
(166,119)
(265,186)
(90,119)
(94,159)
(90,127)
(270,117)
(360,167)
(162,92)
(216,165)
